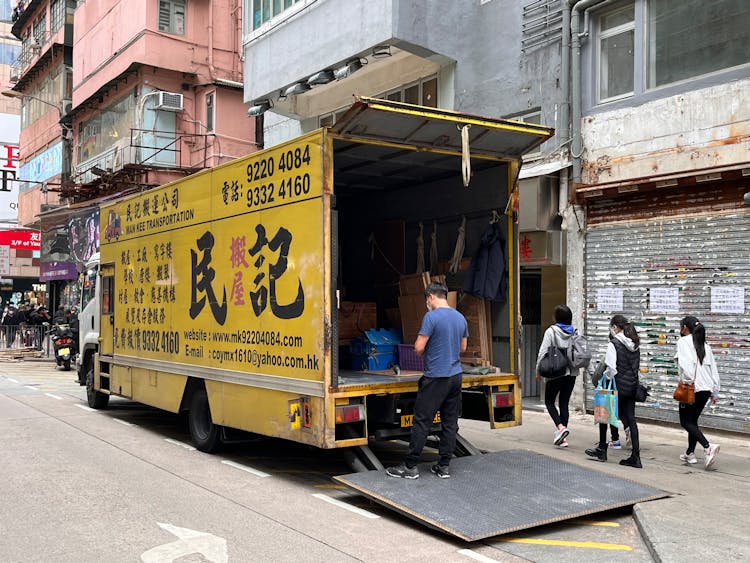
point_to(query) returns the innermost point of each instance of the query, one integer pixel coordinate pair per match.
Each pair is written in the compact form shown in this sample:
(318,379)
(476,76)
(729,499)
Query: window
(422,93)
(40,29)
(9,52)
(649,44)
(264,10)
(210,111)
(172,16)
(688,38)
(6,10)
(616,61)
(57,15)
(534,117)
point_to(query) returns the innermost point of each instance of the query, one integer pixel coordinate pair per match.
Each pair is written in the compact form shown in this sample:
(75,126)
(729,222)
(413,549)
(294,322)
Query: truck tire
(96,399)
(205,434)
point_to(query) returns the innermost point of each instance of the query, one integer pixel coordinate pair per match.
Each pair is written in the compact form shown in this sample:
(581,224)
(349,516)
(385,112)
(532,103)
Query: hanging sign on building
(21,240)
(4,260)
(9,155)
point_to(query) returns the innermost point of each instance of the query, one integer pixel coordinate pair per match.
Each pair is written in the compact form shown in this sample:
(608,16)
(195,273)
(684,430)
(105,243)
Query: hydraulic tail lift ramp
(498,493)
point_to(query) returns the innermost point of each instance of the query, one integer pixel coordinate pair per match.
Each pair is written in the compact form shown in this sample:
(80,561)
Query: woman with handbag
(558,335)
(696,364)
(623,360)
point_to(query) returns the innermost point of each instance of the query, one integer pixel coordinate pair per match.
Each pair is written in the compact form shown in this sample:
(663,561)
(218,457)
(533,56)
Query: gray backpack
(579,355)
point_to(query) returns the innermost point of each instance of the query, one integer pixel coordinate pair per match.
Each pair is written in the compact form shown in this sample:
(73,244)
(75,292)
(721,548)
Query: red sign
(9,155)
(21,240)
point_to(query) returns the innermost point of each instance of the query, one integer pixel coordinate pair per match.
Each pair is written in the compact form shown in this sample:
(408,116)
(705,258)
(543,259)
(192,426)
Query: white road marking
(236,465)
(181,444)
(476,556)
(345,506)
(54,396)
(30,387)
(13,380)
(210,547)
(85,408)
(123,422)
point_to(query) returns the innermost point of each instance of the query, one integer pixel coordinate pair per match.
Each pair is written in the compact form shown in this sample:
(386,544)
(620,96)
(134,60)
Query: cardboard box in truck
(217,294)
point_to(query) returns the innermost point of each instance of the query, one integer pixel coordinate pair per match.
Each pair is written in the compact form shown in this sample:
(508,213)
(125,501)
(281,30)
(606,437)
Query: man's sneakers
(403,471)
(615,445)
(711,452)
(688,458)
(598,453)
(560,435)
(442,471)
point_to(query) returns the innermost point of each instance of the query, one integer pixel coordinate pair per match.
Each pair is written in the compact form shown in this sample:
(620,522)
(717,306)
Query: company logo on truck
(114,230)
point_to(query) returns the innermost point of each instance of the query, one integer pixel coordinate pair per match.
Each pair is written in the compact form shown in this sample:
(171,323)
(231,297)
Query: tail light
(350,413)
(64,340)
(502,400)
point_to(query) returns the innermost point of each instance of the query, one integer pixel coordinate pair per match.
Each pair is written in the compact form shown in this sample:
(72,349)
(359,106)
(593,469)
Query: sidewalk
(704,519)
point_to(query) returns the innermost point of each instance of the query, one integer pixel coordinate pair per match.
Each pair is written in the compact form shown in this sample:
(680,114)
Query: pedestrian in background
(442,338)
(558,388)
(623,360)
(696,363)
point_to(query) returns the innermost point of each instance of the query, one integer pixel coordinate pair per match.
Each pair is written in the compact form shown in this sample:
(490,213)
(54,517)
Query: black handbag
(641,393)
(554,363)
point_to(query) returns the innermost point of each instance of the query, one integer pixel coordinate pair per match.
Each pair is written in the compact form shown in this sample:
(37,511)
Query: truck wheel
(96,399)
(205,434)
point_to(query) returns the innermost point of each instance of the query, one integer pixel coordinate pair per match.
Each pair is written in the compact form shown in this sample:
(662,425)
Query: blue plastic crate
(376,350)
(371,362)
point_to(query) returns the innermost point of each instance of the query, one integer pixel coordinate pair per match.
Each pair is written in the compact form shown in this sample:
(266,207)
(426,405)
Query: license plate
(64,351)
(407,420)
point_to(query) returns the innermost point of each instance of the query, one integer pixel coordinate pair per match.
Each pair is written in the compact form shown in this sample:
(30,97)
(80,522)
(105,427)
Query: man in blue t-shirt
(442,338)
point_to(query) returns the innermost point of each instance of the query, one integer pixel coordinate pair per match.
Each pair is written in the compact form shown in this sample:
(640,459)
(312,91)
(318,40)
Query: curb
(646,532)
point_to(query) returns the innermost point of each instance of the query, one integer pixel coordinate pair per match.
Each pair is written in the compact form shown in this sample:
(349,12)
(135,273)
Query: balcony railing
(30,52)
(144,148)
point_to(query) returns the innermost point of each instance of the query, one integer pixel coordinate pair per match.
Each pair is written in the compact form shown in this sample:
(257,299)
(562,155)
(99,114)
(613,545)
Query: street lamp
(21,96)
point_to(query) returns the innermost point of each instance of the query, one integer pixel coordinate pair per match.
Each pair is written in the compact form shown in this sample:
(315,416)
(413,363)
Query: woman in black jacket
(623,361)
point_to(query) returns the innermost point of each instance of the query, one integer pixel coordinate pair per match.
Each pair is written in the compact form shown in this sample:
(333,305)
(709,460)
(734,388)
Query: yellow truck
(218,294)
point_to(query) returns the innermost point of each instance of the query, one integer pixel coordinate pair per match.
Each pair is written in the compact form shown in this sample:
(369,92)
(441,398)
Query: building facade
(138,93)
(665,161)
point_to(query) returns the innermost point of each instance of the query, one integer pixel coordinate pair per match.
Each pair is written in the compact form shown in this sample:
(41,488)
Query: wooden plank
(414,284)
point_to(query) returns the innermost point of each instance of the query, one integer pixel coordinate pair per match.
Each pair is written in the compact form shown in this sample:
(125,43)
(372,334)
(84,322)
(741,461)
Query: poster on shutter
(663,300)
(609,299)
(727,299)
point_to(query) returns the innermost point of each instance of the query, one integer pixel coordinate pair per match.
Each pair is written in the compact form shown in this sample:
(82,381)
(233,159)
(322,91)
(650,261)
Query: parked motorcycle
(64,345)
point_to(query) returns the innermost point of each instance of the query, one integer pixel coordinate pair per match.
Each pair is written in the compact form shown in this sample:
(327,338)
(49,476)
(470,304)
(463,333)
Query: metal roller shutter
(692,253)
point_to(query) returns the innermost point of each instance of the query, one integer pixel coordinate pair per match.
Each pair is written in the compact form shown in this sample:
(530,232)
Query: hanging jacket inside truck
(488,274)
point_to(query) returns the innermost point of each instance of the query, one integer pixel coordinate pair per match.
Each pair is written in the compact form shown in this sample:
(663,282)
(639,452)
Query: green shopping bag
(605,402)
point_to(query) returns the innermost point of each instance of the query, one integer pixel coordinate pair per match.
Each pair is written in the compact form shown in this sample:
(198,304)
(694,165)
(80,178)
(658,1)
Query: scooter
(64,345)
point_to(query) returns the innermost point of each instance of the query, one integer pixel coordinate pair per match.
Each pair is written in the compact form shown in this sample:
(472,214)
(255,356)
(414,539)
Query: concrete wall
(705,128)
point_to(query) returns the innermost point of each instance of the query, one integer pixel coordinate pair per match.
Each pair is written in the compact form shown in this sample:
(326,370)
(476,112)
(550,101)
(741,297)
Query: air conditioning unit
(15,75)
(66,106)
(169,101)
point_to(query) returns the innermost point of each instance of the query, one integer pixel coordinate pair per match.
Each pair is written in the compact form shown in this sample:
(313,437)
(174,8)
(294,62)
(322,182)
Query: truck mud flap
(500,492)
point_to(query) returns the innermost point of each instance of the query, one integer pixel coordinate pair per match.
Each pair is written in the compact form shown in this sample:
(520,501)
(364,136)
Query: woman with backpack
(559,335)
(696,363)
(623,360)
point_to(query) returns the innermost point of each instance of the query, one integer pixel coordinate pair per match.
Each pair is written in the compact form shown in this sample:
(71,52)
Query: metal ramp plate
(498,493)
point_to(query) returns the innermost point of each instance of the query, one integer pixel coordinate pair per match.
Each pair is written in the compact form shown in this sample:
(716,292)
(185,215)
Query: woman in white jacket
(696,363)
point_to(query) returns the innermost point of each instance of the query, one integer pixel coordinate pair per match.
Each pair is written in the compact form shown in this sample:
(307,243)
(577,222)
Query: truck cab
(88,319)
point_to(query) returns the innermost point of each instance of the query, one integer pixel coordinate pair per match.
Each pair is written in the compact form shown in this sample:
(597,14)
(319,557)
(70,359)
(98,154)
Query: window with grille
(172,16)
(40,29)
(57,15)
(210,112)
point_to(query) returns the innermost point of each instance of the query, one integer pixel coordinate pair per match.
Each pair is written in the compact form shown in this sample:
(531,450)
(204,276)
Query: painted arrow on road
(213,548)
